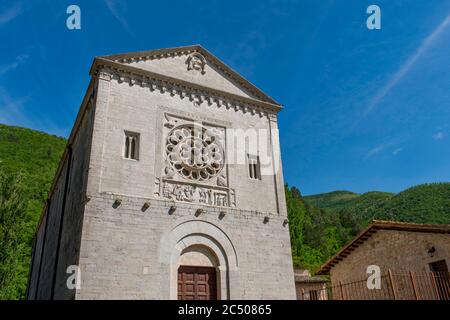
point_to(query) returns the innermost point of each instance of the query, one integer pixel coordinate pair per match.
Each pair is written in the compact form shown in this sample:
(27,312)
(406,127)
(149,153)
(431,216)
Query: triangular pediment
(193,64)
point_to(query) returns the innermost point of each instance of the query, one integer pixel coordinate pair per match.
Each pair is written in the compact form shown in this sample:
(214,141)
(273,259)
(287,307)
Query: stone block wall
(395,250)
(57,240)
(126,252)
(303,290)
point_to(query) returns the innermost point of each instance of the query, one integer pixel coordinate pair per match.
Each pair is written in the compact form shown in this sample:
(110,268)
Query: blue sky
(364,109)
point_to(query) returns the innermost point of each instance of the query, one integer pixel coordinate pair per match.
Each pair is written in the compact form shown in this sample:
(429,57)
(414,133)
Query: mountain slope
(331,200)
(28,158)
(338,200)
(427,203)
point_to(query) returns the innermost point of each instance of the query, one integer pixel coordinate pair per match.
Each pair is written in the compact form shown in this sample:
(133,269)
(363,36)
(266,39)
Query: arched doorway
(198,274)
(188,233)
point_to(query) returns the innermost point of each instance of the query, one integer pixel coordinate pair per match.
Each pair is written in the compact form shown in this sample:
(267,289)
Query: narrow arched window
(254,168)
(127,146)
(131,148)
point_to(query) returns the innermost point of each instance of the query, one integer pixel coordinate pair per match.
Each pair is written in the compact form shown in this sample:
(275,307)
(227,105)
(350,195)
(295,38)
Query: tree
(12,214)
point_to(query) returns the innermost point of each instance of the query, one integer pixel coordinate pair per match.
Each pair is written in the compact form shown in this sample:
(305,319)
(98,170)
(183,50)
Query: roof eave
(371,229)
(100,62)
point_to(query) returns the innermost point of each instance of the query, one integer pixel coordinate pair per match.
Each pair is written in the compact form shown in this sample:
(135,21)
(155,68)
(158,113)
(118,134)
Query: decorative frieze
(104,75)
(197,96)
(200,194)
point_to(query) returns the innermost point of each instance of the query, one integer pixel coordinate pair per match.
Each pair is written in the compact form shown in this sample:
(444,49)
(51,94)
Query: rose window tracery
(194,152)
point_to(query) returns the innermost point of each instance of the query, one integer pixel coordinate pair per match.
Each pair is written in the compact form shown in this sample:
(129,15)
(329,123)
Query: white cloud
(378,149)
(397,151)
(11,13)
(116,8)
(409,63)
(17,61)
(393,145)
(439,135)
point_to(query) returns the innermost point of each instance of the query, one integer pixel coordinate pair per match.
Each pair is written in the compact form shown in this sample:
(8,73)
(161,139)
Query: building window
(441,279)
(131,145)
(313,295)
(254,168)
(440,267)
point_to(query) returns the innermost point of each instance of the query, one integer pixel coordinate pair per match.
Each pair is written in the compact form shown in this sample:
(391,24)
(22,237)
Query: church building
(170,187)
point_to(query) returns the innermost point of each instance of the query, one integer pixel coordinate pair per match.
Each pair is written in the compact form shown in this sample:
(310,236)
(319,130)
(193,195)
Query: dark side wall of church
(58,238)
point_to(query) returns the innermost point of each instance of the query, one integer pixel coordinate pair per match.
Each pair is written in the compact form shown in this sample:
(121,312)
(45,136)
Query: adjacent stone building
(414,260)
(308,287)
(156,195)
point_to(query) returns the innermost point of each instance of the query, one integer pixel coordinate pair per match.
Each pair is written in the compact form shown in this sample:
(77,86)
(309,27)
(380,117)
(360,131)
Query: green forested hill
(317,233)
(427,203)
(35,155)
(28,161)
(331,200)
(338,200)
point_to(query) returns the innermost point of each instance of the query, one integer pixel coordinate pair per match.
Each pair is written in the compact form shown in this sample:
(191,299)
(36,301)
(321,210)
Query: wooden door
(197,283)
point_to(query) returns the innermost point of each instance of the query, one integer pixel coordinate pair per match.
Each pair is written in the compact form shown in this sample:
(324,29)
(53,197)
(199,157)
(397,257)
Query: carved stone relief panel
(201,194)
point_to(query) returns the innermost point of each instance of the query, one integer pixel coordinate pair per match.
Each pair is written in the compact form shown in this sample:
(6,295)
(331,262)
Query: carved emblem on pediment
(196,61)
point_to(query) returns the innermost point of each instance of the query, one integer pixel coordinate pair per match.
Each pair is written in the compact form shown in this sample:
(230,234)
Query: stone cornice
(196,93)
(157,202)
(187,50)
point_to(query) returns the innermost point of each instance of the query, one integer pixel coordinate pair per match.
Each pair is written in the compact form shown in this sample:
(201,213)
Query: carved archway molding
(199,233)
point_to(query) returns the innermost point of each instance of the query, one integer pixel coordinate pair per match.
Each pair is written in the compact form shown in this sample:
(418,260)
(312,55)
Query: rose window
(194,152)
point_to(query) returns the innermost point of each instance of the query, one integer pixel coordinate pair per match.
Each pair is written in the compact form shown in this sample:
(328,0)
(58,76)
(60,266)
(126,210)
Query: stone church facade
(146,203)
